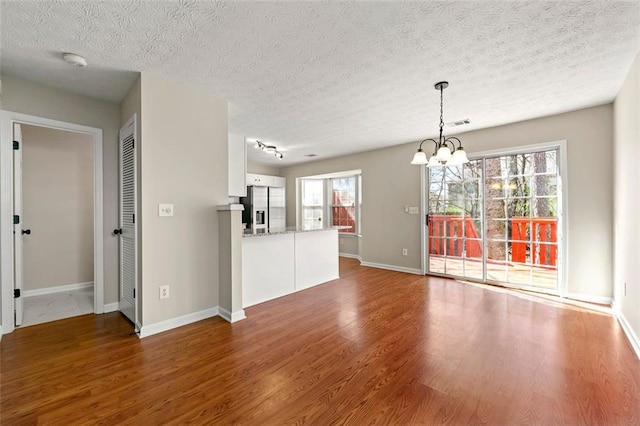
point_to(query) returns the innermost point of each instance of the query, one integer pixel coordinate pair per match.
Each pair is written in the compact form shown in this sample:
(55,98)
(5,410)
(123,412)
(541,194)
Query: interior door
(128,226)
(17,223)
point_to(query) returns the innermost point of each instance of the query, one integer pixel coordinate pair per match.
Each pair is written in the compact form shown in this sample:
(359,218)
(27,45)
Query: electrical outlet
(405,252)
(164,292)
(414,210)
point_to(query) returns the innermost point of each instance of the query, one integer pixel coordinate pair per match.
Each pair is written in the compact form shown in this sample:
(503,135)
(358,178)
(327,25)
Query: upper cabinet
(265,180)
(279,182)
(237,165)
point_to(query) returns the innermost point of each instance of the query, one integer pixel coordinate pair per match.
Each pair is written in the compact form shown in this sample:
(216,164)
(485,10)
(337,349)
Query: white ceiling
(336,78)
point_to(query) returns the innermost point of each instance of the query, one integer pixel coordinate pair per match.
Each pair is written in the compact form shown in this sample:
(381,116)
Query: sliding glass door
(455,220)
(496,220)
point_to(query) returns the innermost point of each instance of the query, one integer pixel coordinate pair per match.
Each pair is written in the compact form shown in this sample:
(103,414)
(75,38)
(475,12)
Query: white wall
(627,197)
(183,160)
(57,206)
(42,101)
(389,183)
(261,169)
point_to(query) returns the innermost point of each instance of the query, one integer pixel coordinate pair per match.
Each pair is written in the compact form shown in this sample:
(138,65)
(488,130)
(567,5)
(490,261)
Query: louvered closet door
(128,226)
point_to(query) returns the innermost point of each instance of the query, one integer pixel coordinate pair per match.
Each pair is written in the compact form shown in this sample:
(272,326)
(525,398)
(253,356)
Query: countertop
(287,230)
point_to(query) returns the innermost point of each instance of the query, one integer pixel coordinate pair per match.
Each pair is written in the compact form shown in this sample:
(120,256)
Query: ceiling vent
(459,123)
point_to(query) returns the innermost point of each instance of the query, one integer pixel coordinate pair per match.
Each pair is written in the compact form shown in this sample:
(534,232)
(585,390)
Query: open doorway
(12,226)
(57,224)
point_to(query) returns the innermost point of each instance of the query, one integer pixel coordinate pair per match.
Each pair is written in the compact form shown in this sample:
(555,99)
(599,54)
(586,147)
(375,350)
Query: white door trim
(7,118)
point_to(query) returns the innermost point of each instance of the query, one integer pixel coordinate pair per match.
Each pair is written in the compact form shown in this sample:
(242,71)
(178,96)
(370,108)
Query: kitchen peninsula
(277,262)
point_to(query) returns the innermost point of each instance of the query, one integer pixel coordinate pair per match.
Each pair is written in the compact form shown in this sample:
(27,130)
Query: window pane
(312,203)
(343,203)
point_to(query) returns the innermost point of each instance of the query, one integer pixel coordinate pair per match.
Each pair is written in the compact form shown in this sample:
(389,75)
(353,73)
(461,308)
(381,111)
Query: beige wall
(389,183)
(42,101)
(261,169)
(57,200)
(348,244)
(183,161)
(627,197)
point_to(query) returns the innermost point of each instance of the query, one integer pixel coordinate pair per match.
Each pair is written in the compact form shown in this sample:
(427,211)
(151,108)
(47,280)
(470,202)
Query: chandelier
(445,152)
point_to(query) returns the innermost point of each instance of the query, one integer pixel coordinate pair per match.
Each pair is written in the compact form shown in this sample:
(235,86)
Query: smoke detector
(75,60)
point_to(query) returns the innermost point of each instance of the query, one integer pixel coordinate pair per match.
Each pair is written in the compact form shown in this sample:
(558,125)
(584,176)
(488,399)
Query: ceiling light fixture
(443,154)
(271,149)
(75,60)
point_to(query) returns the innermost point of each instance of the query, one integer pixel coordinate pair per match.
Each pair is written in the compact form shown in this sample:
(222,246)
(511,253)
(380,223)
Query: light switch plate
(165,210)
(414,210)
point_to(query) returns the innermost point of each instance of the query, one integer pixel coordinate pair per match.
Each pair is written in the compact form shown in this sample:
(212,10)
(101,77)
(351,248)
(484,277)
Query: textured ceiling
(336,78)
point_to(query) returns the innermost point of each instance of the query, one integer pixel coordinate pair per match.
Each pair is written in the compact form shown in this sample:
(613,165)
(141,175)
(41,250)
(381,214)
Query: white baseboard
(111,307)
(350,256)
(628,330)
(392,268)
(231,317)
(602,300)
(1,333)
(159,327)
(57,289)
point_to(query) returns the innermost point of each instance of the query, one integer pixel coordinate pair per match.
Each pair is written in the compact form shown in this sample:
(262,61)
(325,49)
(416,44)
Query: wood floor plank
(374,347)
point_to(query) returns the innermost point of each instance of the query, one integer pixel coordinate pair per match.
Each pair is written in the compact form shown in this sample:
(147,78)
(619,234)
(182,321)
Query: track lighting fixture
(270,149)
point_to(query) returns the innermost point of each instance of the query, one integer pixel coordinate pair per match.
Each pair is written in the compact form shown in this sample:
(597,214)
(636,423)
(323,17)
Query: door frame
(7,118)
(563,203)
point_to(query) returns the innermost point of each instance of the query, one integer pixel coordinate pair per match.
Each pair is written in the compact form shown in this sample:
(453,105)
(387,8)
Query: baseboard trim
(350,256)
(602,300)
(1,333)
(57,289)
(631,335)
(231,317)
(111,307)
(392,268)
(166,325)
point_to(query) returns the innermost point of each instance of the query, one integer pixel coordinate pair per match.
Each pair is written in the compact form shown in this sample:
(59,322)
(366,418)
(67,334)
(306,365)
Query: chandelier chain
(441,114)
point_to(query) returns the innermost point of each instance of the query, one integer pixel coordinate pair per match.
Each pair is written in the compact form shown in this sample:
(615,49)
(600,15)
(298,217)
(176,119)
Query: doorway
(57,223)
(11,281)
(498,219)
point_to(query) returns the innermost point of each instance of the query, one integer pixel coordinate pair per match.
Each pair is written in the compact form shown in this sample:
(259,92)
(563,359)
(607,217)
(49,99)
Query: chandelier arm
(453,137)
(453,147)
(420,147)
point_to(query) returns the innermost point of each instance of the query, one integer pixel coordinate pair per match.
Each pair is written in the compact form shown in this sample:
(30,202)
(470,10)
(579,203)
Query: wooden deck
(542,277)
(375,346)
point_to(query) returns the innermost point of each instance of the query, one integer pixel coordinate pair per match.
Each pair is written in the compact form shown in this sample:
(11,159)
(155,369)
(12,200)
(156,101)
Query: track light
(271,149)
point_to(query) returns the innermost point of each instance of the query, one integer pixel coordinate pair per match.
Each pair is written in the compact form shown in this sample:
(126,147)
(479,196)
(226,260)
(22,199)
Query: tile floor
(52,307)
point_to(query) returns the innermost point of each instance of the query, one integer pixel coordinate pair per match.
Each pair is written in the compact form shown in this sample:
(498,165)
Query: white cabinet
(237,165)
(279,182)
(258,180)
(265,180)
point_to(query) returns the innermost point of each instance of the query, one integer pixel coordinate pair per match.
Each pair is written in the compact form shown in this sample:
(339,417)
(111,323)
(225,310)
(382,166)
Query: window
(332,199)
(343,203)
(312,203)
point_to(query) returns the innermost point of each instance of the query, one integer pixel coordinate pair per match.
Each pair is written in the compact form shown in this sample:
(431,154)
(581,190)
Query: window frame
(327,208)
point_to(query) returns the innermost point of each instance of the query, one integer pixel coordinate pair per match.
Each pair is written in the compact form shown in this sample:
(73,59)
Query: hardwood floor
(375,347)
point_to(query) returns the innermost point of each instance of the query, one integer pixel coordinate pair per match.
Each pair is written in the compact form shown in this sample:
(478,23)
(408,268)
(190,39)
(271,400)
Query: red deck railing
(544,238)
(458,229)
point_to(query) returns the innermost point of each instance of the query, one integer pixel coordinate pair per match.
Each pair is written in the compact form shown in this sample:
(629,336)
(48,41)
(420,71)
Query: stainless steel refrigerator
(256,207)
(277,209)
